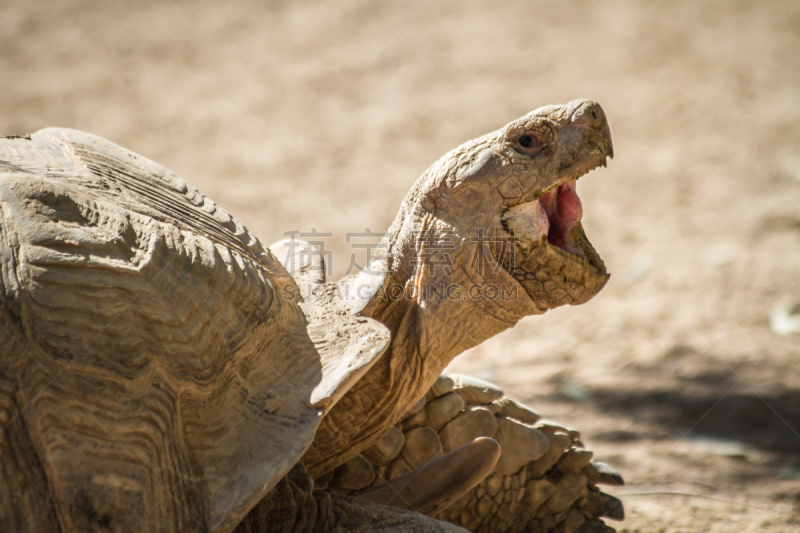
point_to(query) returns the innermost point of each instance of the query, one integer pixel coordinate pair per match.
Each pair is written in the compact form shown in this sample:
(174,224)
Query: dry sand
(300,115)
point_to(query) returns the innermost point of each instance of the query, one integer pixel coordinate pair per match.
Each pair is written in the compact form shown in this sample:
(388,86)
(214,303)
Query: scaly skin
(293,507)
(554,492)
(87,205)
(464,198)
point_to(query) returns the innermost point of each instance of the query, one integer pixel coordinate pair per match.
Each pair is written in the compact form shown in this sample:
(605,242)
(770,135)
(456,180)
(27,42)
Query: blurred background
(683,373)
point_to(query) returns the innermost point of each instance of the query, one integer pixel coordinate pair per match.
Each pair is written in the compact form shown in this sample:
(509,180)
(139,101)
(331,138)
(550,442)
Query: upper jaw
(563,174)
(576,170)
(584,152)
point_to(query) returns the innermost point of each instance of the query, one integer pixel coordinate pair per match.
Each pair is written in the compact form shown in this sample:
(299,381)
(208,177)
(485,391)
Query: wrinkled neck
(428,289)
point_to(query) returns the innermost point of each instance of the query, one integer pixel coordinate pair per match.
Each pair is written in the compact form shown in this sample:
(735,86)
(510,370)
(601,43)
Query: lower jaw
(553,277)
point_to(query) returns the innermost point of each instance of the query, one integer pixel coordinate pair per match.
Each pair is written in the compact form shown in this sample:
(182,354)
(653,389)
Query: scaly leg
(544,481)
(294,507)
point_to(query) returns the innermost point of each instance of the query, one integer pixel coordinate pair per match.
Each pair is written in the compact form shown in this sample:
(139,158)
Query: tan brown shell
(156,371)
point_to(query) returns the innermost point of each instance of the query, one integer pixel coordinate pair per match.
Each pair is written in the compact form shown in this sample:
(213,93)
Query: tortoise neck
(424,289)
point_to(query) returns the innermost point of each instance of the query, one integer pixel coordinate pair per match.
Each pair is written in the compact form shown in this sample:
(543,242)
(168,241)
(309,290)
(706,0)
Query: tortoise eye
(529,145)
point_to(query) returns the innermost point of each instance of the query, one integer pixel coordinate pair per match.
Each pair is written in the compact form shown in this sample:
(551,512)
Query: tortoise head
(504,210)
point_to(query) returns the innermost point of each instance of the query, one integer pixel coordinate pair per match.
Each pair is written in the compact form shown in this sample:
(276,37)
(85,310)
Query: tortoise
(162,370)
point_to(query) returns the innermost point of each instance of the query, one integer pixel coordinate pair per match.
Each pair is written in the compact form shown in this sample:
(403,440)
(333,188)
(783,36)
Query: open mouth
(555,218)
(562,208)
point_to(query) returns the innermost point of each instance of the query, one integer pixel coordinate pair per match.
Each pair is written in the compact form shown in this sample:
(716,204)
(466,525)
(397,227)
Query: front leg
(544,481)
(293,506)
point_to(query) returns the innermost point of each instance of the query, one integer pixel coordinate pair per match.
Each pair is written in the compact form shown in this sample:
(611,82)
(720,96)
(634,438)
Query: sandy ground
(300,115)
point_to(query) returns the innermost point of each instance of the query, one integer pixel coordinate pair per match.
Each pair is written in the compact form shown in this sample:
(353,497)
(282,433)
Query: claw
(596,526)
(602,504)
(603,474)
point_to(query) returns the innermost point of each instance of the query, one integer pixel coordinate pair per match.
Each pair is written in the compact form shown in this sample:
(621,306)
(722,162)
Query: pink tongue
(564,210)
(569,204)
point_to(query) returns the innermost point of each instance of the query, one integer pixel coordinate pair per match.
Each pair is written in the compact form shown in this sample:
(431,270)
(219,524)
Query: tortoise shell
(157,369)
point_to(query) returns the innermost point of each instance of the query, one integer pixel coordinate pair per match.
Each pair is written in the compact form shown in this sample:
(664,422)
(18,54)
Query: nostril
(589,113)
(594,117)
